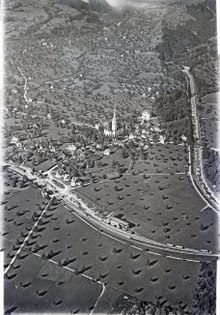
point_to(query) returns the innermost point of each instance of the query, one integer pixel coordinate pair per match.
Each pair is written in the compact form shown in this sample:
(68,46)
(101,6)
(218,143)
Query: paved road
(24,77)
(196,155)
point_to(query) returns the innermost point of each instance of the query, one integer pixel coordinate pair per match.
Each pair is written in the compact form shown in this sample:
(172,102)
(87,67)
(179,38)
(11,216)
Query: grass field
(40,286)
(160,159)
(158,197)
(19,208)
(155,206)
(151,196)
(134,272)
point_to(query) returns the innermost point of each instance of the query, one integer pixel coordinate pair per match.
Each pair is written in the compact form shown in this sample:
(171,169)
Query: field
(152,196)
(134,272)
(160,159)
(70,256)
(19,208)
(40,286)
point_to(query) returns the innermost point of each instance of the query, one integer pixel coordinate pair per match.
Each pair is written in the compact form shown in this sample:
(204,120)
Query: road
(24,77)
(196,168)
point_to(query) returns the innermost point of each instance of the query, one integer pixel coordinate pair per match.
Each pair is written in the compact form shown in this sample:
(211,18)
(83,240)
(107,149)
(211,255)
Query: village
(86,146)
(104,210)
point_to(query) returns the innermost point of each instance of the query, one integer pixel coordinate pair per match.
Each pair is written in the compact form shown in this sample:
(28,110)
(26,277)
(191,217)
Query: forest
(196,31)
(174,109)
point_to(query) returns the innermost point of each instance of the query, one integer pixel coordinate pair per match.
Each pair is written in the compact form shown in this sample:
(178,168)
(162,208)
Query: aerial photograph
(111,170)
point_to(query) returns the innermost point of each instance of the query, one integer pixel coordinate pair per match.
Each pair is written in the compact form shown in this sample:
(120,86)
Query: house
(162,139)
(145,116)
(75,182)
(48,116)
(71,148)
(84,180)
(106,152)
(14,140)
(97,126)
(107,132)
(184,139)
(55,142)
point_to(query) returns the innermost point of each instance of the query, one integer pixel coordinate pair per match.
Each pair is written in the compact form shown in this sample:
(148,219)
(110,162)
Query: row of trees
(204,299)
(212,167)
(133,306)
(205,293)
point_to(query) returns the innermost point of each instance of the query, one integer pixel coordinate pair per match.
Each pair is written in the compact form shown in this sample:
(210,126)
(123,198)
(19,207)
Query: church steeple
(114,122)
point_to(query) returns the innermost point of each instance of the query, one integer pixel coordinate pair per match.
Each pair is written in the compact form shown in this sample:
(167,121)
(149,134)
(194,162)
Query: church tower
(114,122)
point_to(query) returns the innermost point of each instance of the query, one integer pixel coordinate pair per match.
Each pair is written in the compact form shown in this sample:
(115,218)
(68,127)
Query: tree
(142,154)
(131,154)
(124,154)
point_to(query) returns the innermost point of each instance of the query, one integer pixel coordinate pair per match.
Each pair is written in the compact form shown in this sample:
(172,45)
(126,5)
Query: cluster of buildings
(115,129)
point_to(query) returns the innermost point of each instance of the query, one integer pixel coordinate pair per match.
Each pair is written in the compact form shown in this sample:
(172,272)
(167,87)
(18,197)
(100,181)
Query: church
(113,131)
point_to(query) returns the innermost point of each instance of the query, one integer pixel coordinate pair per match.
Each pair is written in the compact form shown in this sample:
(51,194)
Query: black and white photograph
(110,157)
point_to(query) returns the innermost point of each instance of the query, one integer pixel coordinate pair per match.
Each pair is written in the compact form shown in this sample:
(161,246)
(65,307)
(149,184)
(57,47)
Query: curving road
(196,153)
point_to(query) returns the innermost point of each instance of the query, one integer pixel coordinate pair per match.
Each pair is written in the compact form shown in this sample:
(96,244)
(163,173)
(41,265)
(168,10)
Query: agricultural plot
(40,285)
(70,242)
(163,159)
(19,209)
(158,198)
(160,160)
(155,206)
(87,111)
(109,298)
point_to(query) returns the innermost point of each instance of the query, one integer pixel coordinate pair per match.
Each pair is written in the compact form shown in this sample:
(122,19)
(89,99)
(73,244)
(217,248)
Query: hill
(93,5)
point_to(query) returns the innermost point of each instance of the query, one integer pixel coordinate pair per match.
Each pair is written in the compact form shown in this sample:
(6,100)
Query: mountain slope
(93,5)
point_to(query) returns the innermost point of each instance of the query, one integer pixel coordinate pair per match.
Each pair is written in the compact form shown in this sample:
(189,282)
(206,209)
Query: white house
(145,116)
(72,148)
(162,139)
(14,140)
(97,126)
(107,132)
(106,152)
(184,139)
